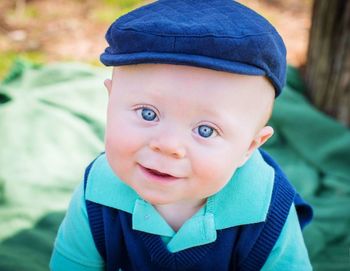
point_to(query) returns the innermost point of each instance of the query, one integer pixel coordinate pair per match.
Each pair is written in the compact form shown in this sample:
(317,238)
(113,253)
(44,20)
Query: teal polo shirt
(247,196)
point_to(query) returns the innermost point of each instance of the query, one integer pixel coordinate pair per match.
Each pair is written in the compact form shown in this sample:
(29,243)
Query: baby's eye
(206,131)
(147,113)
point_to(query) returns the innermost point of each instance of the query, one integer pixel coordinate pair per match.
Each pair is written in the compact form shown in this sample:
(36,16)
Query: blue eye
(148,114)
(205,131)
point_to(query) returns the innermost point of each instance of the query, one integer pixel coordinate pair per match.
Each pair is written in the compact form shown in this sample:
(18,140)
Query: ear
(108,85)
(261,137)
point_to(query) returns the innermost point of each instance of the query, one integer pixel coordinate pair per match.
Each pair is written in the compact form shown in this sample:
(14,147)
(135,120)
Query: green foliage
(106,14)
(95,62)
(123,4)
(112,9)
(29,11)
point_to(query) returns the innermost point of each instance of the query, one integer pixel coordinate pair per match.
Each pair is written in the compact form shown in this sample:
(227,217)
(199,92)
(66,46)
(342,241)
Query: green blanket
(52,125)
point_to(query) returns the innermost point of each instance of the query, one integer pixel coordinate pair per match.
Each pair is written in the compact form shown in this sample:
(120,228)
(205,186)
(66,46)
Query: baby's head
(193,86)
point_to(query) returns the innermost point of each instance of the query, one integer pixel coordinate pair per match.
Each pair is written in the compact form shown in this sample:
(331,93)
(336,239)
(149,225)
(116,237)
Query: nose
(168,145)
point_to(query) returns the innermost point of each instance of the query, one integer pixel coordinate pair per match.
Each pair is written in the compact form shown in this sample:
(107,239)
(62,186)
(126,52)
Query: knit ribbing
(282,196)
(181,260)
(95,219)
(96,226)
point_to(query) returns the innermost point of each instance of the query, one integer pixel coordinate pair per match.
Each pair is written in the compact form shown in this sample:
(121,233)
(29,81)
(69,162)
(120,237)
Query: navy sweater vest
(244,247)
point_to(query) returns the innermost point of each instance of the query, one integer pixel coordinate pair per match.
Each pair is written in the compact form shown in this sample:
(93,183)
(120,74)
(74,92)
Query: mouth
(157,175)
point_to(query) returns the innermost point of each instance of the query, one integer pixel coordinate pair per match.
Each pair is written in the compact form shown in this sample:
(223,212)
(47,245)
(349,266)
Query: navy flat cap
(221,35)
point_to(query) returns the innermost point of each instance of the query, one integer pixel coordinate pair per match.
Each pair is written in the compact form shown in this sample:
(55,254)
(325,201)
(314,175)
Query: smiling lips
(157,175)
(153,171)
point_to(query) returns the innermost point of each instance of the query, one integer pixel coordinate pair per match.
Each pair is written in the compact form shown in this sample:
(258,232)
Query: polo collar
(231,206)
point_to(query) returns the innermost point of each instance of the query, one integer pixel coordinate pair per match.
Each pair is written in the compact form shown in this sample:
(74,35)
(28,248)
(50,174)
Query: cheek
(213,169)
(122,142)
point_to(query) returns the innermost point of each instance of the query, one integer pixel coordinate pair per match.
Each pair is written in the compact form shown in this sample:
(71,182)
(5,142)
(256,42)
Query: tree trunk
(327,73)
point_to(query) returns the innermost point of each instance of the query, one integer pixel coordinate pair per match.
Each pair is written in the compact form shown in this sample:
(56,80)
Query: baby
(183,184)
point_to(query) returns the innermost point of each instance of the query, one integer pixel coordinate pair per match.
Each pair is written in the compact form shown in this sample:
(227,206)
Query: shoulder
(280,237)
(74,246)
(289,252)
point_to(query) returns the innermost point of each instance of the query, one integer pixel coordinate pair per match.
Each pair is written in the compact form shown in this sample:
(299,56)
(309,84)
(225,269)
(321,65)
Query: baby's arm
(74,247)
(289,252)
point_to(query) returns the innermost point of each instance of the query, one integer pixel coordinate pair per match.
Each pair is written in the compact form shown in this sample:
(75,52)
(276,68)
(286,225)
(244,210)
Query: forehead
(194,87)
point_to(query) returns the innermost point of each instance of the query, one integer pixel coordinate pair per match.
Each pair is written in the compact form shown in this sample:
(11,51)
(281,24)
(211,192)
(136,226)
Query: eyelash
(144,106)
(216,130)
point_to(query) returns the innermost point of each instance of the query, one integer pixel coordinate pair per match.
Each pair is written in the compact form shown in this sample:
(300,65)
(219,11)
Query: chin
(155,200)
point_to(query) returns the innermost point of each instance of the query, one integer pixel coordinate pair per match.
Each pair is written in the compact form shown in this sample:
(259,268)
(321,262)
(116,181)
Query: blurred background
(52,116)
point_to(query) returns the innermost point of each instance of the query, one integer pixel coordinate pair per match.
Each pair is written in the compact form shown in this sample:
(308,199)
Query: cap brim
(180,59)
(184,59)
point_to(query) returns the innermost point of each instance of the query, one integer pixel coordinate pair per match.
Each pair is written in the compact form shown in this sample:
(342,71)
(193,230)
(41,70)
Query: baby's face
(178,133)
